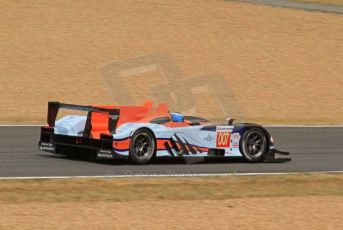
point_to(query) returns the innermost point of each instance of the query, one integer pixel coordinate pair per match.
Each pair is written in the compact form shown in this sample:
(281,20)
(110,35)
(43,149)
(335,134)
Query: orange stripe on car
(122,144)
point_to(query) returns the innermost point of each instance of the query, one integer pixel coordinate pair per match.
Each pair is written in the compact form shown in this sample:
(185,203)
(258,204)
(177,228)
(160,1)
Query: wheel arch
(132,154)
(243,127)
(143,128)
(147,129)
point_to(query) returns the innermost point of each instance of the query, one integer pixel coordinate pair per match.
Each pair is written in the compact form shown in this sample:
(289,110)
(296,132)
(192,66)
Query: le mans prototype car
(140,133)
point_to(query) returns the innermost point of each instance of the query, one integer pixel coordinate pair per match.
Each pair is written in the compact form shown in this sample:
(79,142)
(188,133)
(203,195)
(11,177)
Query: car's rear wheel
(254,145)
(142,146)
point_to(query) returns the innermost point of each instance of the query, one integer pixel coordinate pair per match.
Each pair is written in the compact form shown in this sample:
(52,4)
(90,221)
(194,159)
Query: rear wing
(113,115)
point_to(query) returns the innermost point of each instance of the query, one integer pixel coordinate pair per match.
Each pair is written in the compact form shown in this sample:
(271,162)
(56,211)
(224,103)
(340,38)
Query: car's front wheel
(142,146)
(254,145)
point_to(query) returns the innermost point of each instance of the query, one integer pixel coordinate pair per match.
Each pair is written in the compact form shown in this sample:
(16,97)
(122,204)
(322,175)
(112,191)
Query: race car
(141,133)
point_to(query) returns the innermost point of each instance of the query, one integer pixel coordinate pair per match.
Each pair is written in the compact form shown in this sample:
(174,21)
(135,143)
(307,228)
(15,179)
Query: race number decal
(223,139)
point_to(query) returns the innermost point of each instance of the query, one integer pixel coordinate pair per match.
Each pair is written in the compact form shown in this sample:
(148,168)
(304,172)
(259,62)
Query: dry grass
(122,190)
(236,202)
(324,212)
(283,65)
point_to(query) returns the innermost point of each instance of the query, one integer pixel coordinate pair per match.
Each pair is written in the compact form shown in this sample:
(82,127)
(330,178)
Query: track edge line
(168,175)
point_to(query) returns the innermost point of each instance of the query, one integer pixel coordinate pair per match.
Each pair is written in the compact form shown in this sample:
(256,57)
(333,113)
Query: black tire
(142,147)
(254,145)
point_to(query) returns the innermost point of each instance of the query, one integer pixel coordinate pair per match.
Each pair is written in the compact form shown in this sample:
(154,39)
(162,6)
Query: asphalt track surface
(298,5)
(312,150)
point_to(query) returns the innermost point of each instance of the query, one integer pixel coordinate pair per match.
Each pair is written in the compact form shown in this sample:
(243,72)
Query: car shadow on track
(156,161)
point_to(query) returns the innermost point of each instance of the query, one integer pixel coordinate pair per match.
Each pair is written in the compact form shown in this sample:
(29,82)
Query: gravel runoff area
(266,64)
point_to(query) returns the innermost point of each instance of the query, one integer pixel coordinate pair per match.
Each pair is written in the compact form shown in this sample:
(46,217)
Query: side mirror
(230,120)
